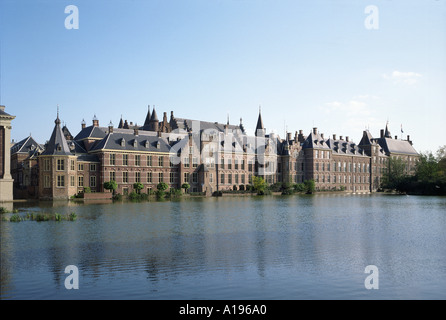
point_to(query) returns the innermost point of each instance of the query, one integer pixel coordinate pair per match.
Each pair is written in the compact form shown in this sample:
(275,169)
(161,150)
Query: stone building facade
(209,156)
(6,181)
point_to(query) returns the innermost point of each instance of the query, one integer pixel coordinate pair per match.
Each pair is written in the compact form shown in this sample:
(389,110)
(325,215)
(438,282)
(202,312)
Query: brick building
(210,156)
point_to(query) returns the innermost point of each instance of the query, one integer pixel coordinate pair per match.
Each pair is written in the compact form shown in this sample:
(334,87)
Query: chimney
(110,127)
(334,136)
(83,125)
(347,139)
(314,130)
(165,117)
(171,116)
(95,121)
(301,137)
(382,133)
(322,136)
(289,136)
(135,130)
(295,137)
(341,138)
(396,137)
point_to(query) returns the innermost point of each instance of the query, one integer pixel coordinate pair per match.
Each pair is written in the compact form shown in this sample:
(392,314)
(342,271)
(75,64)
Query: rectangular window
(229,178)
(222,178)
(73,166)
(186,177)
(211,177)
(194,162)
(149,177)
(125,159)
(186,162)
(229,162)
(60,164)
(137,176)
(195,177)
(93,181)
(243,179)
(125,177)
(72,181)
(160,161)
(236,178)
(80,181)
(46,165)
(160,177)
(112,176)
(137,160)
(61,181)
(112,159)
(236,164)
(172,177)
(80,167)
(149,161)
(47,182)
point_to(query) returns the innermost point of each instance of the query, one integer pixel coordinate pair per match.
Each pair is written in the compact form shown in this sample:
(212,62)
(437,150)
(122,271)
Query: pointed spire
(121,123)
(260,124)
(146,123)
(387,132)
(57,145)
(154,116)
(57,121)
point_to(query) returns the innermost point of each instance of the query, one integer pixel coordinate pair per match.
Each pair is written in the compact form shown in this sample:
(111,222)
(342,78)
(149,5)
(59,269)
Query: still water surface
(274,247)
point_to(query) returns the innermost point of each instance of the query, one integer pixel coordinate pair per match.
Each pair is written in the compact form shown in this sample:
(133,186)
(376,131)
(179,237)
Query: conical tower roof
(147,117)
(57,145)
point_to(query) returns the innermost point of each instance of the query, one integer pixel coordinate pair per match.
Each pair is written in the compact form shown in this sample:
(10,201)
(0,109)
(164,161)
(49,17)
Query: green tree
(111,185)
(310,186)
(259,185)
(185,186)
(138,186)
(395,174)
(161,188)
(426,169)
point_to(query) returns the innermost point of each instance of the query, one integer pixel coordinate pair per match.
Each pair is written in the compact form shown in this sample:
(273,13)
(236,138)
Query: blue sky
(306,63)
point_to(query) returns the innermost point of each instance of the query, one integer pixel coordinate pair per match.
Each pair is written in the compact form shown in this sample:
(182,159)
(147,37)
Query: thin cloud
(409,78)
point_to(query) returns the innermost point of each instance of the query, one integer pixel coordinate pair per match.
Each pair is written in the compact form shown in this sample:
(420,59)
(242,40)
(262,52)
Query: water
(262,248)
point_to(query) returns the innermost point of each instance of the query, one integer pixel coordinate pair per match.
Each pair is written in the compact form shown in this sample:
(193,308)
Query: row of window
(341,179)
(60,165)
(60,181)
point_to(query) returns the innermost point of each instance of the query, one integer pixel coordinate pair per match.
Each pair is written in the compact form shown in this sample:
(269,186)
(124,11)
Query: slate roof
(186,125)
(3,114)
(390,146)
(131,142)
(57,145)
(92,132)
(26,145)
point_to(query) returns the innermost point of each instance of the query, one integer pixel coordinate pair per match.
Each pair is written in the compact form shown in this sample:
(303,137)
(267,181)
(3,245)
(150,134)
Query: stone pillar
(6,181)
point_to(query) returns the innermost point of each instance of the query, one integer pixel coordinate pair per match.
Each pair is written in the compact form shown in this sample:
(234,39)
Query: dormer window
(146,144)
(122,142)
(135,143)
(158,145)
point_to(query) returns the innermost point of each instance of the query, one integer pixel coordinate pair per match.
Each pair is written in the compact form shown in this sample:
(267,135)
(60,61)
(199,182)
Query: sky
(341,66)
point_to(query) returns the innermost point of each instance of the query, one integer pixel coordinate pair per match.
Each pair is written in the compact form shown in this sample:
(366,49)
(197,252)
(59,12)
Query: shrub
(15,218)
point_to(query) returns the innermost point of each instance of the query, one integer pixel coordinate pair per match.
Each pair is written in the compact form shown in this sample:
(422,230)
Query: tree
(395,174)
(185,186)
(426,169)
(161,188)
(111,185)
(138,186)
(259,185)
(309,186)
